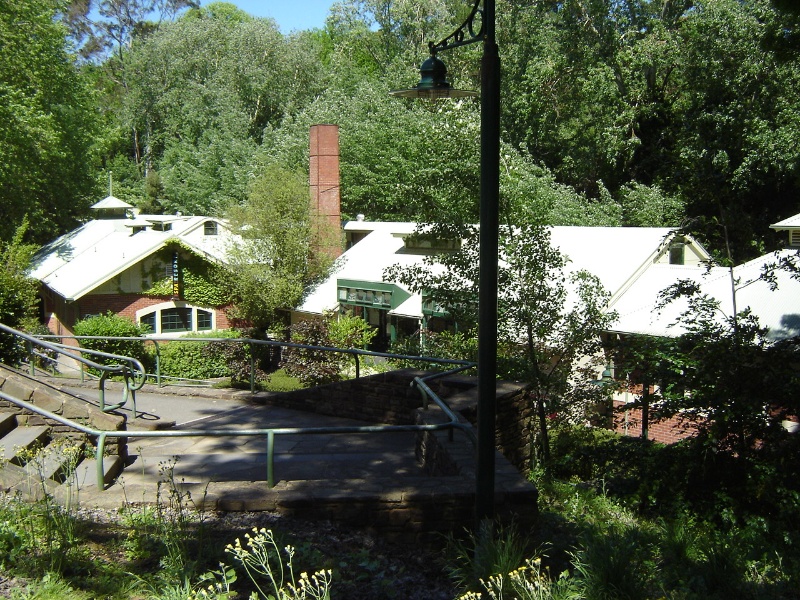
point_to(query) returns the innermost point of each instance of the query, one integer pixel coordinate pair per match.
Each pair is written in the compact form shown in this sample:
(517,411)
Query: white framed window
(176,318)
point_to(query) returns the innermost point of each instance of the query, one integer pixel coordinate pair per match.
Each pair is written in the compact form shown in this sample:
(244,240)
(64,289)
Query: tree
(18,292)
(724,373)
(46,124)
(269,273)
(549,321)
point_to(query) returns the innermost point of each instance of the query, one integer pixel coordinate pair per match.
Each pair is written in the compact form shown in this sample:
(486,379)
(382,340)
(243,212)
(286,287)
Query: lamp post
(478,27)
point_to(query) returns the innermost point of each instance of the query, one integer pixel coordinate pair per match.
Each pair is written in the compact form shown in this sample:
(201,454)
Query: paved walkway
(197,461)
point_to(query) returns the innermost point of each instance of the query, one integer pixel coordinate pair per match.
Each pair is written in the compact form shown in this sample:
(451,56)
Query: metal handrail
(130,369)
(270,433)
(355,352)
(451,424)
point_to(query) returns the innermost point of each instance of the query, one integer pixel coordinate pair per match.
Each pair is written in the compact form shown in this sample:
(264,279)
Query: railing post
(271,459)
(252,368)
(31,359)
(98,459)
(158,363)
(101,386)
(358,366)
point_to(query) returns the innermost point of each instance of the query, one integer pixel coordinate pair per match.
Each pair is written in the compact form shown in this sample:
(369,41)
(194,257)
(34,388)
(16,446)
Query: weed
(489,551)
(261,560)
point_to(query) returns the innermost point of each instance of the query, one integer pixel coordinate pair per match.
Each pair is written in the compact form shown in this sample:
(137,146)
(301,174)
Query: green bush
(192,360)
(238,357)
(111,325)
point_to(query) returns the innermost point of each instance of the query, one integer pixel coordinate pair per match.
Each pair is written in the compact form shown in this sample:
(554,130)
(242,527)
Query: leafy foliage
(269,273)
(242,361)
(112,325)
(192,360)
(17,292)
(47,124)
(316,367)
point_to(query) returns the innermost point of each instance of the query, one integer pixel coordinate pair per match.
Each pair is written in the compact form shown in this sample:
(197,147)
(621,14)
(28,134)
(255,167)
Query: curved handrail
(130,369)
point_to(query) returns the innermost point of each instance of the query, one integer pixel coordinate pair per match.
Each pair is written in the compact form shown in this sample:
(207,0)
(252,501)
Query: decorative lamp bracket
(465,34)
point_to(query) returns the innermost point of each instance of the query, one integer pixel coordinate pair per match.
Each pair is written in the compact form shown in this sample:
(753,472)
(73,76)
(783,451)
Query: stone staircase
(41,455)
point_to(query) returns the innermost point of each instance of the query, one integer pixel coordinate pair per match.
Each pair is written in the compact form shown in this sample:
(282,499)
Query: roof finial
(110,179)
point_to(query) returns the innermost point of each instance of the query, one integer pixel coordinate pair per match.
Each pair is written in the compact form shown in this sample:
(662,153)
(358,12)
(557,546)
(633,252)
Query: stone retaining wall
(50,399)
(414,510)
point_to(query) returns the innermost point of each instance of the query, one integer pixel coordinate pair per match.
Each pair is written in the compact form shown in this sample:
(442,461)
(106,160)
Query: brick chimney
(323,176)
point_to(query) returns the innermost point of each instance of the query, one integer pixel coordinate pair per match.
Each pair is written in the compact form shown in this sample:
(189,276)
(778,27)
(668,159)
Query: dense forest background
(615,112)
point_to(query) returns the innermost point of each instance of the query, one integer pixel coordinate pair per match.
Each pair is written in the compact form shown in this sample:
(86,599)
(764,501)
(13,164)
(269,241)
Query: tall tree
(46,124)
(549,321)
(269,273)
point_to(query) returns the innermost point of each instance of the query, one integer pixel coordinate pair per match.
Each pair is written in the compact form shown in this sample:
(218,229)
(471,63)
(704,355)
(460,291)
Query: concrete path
(198,461)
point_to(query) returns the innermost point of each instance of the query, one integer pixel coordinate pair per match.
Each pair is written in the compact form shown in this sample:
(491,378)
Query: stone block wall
(382,398)
(414,510)
(52,400)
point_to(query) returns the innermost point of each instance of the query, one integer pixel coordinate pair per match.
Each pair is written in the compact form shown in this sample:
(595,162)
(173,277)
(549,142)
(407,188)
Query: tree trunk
(645,409)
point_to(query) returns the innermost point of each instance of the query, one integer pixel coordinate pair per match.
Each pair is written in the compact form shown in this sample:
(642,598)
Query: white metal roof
(613,254)
(778,310)
(111,202)
(85,258)
(366,261)
(790,223)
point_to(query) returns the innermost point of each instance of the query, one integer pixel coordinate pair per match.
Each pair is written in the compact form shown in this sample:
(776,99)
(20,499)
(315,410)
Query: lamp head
(433,83)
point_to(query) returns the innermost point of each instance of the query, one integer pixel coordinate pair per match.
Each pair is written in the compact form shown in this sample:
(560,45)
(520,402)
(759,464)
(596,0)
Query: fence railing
(131,370)
(422,383)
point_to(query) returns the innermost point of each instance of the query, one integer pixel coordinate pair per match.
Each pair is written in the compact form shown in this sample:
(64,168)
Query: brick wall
(666,431)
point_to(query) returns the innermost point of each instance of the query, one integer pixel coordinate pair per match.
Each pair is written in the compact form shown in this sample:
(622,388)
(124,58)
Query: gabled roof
(616,255)
(790,223)
(778,309)
(365,261)
(85,258)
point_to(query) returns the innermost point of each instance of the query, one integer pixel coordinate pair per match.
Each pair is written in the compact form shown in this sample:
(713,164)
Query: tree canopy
(633,112)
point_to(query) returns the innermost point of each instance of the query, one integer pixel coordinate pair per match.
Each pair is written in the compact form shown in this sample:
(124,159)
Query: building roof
(777,309)
(366,261)
(790,223)
(80,261)
(616,255)
(111,202)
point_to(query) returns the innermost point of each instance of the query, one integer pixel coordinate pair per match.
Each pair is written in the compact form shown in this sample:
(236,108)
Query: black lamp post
(433,84)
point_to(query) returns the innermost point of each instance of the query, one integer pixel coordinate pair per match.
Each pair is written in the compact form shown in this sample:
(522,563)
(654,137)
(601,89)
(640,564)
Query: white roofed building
(132,265)
(616,255)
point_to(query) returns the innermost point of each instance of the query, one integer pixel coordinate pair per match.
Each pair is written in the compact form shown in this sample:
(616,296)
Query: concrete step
(8,421)
(17,441)
(85,474)
(55,461)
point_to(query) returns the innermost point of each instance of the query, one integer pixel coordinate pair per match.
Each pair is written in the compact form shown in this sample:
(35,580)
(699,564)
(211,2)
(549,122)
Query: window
(210,228)
(149,320)
(677,250)
(176,319)
(204,320)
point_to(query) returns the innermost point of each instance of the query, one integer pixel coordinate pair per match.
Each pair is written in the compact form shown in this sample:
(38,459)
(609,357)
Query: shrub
(111,325)
(236,356)
(445,344)
(316,367)
(192,360)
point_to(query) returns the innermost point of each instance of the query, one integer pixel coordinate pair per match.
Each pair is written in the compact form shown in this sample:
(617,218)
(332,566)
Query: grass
(592,542)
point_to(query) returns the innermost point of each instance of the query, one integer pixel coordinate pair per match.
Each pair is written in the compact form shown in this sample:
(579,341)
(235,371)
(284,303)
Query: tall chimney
(323,175)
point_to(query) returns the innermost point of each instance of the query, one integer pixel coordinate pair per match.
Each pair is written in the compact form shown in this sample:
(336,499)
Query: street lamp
(478,27)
